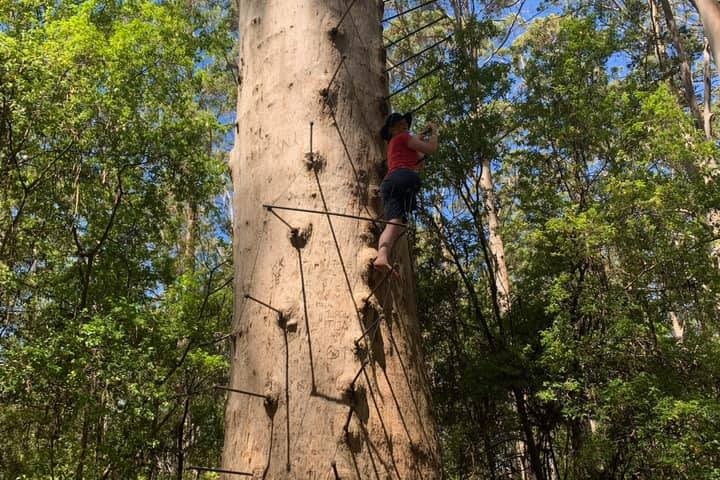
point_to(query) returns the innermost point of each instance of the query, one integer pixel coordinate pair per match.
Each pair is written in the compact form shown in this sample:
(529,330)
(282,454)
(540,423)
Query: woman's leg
(398,196)
(387,240)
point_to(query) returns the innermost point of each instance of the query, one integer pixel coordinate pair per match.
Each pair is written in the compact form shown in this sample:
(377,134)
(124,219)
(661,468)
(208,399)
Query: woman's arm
(428,147)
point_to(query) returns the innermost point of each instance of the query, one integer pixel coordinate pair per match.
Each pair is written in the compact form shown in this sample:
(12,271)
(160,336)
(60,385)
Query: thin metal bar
(332,79)
(334,214)
(376,323)
(191,394)
(367,330)
(346,426)
(400,14)
(347,153)
(415,81)
(287,400)
(365,361)
(423,104)
(220,470)
(415,55)
(419,29)
(342,19)
(345,147)
(250,297)
(362,367)
(380,283)
(307,322)
(304,296)
(237,390)
(283,220)
(337,248)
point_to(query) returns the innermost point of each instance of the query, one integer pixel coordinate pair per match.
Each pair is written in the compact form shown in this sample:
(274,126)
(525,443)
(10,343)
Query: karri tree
(326,350)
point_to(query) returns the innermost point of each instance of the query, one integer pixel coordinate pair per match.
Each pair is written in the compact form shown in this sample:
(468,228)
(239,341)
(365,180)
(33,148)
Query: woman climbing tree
(405,156)
(327,374)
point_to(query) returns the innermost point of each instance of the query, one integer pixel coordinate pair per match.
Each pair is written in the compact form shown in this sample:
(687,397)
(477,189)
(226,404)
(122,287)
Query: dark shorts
(399,190)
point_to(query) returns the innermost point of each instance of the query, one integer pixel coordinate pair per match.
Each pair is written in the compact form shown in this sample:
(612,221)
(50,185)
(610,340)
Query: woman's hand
(430,129)
(427,147)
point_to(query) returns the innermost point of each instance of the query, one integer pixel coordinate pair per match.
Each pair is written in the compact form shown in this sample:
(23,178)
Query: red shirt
(400,155)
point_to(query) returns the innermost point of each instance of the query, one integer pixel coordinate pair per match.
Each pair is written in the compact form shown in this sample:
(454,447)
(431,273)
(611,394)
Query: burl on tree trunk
(319,409)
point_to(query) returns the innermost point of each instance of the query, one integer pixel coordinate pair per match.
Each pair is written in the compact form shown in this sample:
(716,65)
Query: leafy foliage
(114,278)
(114,272)
(602,366)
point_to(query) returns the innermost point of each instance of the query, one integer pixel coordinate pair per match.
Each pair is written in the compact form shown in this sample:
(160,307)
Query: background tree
(586,112)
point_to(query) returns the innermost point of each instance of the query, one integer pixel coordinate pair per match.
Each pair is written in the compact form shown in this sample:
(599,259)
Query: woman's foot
(382,264)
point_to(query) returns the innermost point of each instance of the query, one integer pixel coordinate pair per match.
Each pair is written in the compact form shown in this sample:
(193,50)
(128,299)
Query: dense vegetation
(601,360)
(114,237)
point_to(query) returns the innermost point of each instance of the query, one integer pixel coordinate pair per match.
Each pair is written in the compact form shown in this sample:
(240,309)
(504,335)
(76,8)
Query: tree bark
(685,71)
(298,350)
(660,50)
(189,237)
(533,453)
(709,11)
(707,92)
(181,438)
(497,247)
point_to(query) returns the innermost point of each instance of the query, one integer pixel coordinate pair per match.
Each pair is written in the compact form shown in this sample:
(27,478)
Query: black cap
(391,120)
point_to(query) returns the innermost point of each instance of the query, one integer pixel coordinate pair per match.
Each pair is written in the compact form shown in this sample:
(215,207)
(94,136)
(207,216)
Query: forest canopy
(574,133)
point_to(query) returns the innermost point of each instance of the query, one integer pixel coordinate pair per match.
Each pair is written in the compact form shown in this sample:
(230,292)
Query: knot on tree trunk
(315,162)
(300,236)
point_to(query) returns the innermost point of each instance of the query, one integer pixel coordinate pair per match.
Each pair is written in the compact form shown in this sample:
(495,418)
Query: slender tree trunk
(709,11)
(529,457)
(685,71)
(707,92)
(660,50)
(181,439)
(533,453)
(79,470)
(497,247)
(301,353)
(189,239)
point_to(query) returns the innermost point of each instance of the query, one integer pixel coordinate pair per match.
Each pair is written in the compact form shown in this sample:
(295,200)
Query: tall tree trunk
(528,450)
(532,450)
(497,247)
(300,353)
(709,11)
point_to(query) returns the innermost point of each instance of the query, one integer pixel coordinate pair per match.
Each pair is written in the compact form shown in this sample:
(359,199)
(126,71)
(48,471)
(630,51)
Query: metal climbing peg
(336,28)
(400,14)
(335,470)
